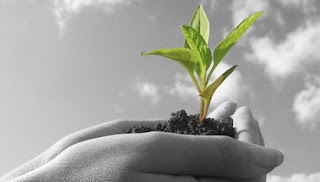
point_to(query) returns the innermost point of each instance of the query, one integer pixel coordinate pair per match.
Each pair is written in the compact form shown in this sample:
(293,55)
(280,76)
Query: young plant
(196,56)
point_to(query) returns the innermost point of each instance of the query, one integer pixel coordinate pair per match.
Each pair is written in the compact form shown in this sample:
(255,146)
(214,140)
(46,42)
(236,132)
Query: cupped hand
(105,153)
(248,131)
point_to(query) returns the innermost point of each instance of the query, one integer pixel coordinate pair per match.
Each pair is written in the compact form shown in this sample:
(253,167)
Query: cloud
(299,177)
(148,90)
(233,88)
(242,9)
(183,87)
(65,9)
(307,102)
(280,60)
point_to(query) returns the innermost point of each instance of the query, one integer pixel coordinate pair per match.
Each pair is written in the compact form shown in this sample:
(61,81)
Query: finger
(225,109)
(109,128)
(248,130)
(246,126)
(101,130)
(260,135)
(208,156)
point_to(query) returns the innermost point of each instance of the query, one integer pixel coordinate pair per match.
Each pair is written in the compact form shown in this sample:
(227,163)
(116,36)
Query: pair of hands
(104,153)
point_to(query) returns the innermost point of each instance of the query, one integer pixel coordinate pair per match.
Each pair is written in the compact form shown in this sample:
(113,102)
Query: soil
(182,123)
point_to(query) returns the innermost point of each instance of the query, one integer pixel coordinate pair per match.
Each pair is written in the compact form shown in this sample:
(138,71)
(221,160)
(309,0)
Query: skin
(104,153)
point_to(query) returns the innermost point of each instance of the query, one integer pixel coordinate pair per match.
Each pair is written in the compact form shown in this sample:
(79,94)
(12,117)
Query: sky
(66,65)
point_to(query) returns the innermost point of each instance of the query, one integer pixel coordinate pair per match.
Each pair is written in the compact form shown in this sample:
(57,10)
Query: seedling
(196,56)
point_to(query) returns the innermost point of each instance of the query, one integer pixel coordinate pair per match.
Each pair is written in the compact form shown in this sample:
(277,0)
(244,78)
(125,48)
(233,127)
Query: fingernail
(267,158)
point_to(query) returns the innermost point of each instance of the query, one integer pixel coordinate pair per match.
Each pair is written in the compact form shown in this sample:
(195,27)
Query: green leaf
(207,56)
(207,93)
(187,57)
(200,23)
(224,46)
(193,37)
(197,43)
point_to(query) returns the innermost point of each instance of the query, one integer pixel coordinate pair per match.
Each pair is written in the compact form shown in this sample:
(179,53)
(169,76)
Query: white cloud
(293,55)
(299,177)
(148,90)
(64,9)
(242,9)
(233,88)
(184,87)
(307,102)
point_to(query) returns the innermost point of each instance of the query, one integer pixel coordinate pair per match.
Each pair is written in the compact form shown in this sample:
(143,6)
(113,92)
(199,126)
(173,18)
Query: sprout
(196,56)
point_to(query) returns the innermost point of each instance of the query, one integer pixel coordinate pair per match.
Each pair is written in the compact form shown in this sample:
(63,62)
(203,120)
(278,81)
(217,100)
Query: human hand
(99,153)
(248,130)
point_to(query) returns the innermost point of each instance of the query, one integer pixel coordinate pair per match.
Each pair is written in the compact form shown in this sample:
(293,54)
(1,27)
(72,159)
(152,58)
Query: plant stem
(208,78)
(205,113)
(201,110)
(203,86)
(206,110)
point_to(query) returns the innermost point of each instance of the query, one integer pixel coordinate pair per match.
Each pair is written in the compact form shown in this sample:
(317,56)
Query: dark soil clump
(181,123)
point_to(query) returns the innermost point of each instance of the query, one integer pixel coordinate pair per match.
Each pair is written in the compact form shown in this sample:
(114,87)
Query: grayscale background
(67,65)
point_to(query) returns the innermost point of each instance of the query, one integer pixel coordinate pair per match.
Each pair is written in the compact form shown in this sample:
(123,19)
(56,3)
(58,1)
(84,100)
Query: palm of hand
(99,154)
